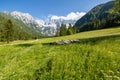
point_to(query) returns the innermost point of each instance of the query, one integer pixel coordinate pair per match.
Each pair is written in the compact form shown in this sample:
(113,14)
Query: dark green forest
(102,16)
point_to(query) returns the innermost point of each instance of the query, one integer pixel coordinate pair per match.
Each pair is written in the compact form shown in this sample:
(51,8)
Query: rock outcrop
(65,42)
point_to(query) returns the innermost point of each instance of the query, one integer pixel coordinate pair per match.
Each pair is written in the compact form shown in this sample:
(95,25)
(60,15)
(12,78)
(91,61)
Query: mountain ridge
(98,17)
(46,28)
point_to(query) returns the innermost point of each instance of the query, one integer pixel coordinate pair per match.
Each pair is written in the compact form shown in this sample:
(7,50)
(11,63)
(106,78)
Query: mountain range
(44,27)
(97,18)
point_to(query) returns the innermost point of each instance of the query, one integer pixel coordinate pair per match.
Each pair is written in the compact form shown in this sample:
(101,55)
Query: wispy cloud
(70,16)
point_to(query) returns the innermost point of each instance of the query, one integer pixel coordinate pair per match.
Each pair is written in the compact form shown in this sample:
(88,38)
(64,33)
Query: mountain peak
(25,17)
(49,26)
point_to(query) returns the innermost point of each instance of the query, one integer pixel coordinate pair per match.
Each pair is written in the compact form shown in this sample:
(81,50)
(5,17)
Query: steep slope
(99,17)
(35,24)
(20,28)
(27,19)
(46,27)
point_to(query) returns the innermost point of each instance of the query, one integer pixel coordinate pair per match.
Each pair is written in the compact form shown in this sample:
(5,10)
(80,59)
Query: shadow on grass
(95,40)
(24,45)
(91,41)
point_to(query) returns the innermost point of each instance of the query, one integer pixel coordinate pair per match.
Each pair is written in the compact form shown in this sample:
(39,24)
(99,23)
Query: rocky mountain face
(37,25)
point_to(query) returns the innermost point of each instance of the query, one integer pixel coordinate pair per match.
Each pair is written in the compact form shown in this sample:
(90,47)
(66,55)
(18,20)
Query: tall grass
(95,58)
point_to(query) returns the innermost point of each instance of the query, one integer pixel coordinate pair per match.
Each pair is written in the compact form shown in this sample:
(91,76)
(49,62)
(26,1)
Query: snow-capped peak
(25,17)
(49,26)
(40,22)
(36,24)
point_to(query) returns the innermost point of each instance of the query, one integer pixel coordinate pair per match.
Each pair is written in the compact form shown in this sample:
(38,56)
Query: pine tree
(70,30)
(8,31)
(63,30)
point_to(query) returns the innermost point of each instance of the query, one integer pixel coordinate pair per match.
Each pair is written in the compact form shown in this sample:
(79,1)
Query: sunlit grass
(94,58)
(83,35)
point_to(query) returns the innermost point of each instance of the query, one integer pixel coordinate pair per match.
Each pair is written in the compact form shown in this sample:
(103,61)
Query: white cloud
(70,16)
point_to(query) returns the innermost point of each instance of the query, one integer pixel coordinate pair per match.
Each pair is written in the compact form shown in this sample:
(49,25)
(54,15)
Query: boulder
(65,42)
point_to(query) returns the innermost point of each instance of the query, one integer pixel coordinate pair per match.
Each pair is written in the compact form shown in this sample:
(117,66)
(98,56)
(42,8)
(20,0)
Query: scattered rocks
(65,42)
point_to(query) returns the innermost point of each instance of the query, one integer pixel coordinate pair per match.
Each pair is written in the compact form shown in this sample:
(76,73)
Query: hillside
(19,23)
(21,30)
(95,57)
(99,17)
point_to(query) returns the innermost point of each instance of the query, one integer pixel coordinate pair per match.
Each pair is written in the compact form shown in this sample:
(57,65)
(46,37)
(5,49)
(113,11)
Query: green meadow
(95,57)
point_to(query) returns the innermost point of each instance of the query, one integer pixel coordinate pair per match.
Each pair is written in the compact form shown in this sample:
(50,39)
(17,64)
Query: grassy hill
(96,57)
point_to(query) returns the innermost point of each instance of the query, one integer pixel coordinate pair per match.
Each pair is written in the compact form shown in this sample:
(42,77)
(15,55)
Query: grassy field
(95,57)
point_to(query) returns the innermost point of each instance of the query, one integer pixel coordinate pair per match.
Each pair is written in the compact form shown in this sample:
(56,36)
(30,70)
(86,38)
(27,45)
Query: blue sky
(43,8)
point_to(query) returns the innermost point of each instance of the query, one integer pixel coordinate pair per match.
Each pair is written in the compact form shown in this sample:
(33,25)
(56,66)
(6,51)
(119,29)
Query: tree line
(64,30)
(110,21)
(9,31)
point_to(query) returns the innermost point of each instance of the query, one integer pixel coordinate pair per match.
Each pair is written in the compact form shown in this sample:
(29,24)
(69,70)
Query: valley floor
(95,57)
